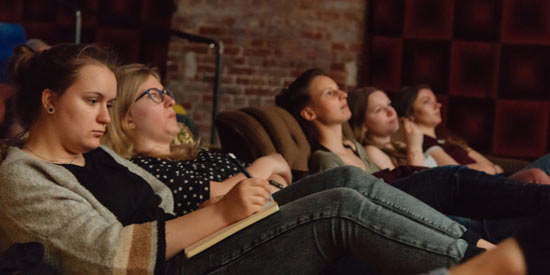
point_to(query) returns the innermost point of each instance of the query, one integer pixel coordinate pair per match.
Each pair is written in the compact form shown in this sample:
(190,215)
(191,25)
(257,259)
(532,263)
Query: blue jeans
(464,192)
(495,206)
(543,163)
(327,216)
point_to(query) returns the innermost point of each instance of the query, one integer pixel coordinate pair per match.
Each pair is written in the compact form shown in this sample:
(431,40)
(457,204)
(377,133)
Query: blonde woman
(143,129)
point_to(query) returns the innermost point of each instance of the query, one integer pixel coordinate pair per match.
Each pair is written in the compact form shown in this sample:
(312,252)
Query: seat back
(285,134)
(243,135)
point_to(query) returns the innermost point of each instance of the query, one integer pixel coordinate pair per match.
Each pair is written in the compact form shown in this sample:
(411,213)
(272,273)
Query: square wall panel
(526,21)
(40,10)
(155,12)
(473,69)
(123,41)
(426,62)
(472,120)
(119,13)
(429,19)
(385,63)
(524,72)
(521,128)
(10,10)
(387,16)
(477,19)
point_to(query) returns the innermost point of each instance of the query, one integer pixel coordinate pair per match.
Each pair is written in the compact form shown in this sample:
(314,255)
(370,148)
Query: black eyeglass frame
(160,92)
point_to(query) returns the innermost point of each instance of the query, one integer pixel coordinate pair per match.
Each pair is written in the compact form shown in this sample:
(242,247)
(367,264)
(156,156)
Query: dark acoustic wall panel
(525,72)
(137,29)
(488,61)
(477,20)
(427,62)
(431,19)
(386,63)
(471,118)
(521,127)
(473,73)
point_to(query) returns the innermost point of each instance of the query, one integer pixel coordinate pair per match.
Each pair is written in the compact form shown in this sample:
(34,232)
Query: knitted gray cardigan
(44,202)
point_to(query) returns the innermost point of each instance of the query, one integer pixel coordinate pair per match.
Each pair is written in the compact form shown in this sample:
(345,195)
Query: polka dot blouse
(189,180)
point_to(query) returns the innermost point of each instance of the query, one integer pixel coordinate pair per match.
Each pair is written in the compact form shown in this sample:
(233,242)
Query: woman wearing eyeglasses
(194,176)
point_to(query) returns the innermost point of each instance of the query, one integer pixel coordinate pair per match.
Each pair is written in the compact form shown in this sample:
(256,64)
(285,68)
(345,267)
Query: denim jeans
(495,207)
(339,212)
(464,192)
(543,163)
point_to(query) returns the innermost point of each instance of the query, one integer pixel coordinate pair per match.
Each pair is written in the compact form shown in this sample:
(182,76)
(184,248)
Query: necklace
(50,160)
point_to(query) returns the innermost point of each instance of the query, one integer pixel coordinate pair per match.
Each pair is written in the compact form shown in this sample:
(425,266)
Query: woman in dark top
(420,105)
(190,179)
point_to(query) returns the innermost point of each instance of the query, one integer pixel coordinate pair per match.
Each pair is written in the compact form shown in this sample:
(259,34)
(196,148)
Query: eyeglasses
(156,95)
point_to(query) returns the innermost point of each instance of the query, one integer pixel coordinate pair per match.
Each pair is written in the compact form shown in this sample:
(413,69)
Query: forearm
(484,167)
(415,157)
(186,230)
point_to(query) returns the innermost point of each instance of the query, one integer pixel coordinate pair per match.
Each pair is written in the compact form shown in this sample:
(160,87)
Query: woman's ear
(364,129)
(128,120)
(49,100)
(308,114)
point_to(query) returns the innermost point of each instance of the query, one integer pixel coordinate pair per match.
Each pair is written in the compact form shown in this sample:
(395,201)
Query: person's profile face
(328,101)
(152,116)
(426,109)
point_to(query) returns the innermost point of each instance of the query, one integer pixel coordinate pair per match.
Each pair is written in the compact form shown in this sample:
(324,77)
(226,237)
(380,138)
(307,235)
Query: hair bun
(20,61)
(281,99)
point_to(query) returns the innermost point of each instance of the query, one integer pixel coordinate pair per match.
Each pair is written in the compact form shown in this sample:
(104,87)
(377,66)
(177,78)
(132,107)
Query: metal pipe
(78,27)
(218,45)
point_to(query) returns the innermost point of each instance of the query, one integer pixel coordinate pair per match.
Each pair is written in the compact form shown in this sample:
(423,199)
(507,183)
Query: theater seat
(253,132)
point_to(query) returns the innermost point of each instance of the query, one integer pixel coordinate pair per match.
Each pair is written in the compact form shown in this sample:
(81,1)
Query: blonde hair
(118,135)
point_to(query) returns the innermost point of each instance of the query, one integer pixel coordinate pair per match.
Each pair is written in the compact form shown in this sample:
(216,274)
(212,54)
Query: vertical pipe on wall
(78,27)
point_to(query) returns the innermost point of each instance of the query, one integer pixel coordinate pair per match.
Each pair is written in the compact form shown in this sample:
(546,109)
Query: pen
(245,172)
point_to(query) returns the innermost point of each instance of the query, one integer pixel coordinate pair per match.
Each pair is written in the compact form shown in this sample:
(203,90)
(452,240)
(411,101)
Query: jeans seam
(412,215)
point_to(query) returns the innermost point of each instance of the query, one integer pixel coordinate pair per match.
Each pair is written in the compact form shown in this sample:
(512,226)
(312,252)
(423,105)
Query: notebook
(269,208)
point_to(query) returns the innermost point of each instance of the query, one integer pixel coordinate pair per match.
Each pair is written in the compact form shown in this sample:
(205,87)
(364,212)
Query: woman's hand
(413,139)
(412,134)
(244,199)
(271,164)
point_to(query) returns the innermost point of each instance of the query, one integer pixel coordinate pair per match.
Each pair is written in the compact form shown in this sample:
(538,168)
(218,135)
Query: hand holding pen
(247,174)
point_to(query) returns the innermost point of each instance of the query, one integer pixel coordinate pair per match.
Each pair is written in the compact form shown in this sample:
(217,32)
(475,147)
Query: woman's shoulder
(321,160)
(18,163)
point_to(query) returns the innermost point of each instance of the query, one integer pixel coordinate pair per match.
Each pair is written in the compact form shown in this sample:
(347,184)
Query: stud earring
(51,110)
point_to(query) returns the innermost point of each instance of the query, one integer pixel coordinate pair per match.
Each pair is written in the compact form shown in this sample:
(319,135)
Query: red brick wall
(266,45)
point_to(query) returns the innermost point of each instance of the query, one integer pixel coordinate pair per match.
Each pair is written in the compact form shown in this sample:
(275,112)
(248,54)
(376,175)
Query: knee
(342,195)
(533,175)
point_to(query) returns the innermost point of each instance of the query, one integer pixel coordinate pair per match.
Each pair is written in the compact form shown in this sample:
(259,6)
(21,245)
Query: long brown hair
(118,135)
(358,102)
(403,102)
